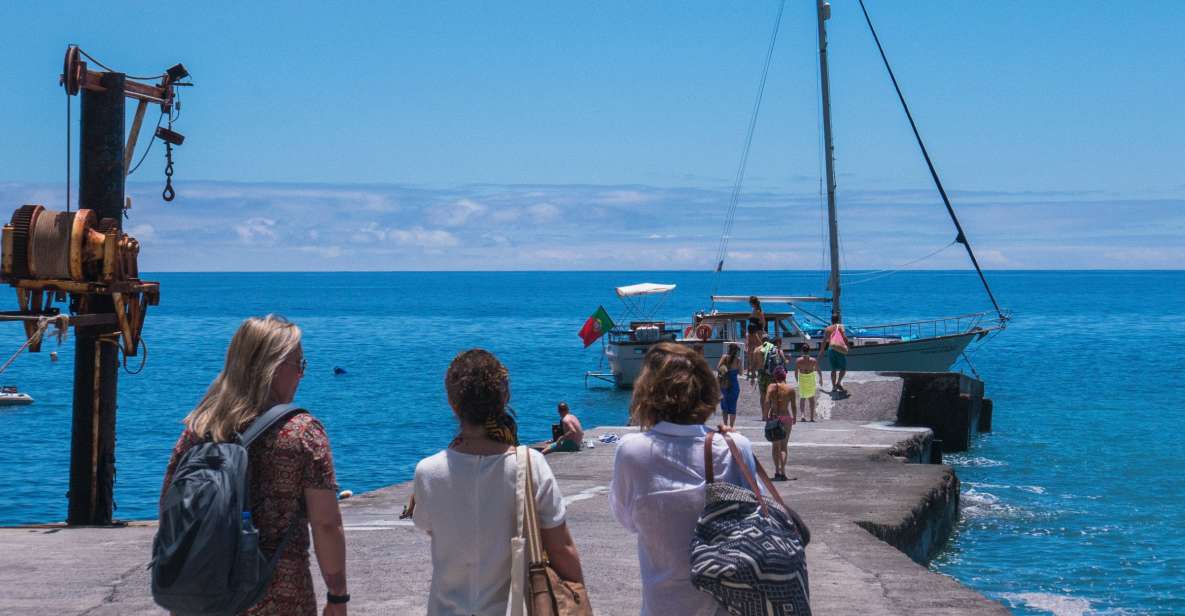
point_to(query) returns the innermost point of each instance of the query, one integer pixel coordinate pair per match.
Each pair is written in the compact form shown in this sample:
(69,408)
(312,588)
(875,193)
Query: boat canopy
(792,299)
(645,288)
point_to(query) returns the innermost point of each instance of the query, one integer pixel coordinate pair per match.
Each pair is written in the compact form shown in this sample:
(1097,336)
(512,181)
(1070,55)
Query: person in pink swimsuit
(781,405)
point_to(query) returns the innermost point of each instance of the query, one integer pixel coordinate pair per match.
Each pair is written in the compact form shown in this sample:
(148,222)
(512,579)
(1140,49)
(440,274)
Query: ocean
(1071,506)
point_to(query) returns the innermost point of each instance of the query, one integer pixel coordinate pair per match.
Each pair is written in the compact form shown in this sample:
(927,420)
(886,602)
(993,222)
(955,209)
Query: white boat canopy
(791,299)
(645,288)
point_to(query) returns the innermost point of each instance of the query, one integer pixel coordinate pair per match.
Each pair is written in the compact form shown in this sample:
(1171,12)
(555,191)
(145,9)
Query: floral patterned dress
(283,463)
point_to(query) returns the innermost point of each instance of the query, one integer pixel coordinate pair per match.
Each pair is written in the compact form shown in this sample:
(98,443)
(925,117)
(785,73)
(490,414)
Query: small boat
(9,396)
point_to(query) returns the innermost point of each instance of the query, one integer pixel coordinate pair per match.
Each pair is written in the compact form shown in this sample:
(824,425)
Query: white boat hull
(625,358)
(15,399)
(936,354)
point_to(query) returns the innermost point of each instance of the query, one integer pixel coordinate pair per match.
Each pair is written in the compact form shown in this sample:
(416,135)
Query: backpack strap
(265,421)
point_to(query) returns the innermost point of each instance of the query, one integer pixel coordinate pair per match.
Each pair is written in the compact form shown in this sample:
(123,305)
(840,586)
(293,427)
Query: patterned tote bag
(749,550)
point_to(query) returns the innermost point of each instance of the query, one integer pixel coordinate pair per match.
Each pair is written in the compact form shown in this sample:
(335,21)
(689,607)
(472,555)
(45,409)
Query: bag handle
(709,472)
(265,421)
(803,531)
(536,556)
(736,456)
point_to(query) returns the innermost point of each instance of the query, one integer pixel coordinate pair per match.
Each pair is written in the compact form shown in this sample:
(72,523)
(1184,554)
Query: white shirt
(658,493)
(466,502)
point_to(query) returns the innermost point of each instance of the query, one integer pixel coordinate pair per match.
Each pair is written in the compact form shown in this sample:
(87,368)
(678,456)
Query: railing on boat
(928,328)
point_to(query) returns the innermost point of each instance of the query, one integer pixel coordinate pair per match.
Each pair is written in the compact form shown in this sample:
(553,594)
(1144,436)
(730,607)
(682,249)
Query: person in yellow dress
(808,374)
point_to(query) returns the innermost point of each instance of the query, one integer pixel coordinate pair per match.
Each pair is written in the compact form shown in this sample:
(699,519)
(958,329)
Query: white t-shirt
(658,493)
(466,502)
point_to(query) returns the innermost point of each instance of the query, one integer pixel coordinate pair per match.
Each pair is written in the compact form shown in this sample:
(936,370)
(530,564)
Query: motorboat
(10,396)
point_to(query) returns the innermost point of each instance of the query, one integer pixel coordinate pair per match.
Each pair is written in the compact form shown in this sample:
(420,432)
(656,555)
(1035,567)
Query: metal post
(823,10)
(96,368)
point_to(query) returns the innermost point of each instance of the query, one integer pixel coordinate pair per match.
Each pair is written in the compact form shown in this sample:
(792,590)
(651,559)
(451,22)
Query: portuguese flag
(596,326)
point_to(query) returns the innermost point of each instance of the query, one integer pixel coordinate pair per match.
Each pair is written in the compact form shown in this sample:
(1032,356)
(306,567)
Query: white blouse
(658,493)
(466,502)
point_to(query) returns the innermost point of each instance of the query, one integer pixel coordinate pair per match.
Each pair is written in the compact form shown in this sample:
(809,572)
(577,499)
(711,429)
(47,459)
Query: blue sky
(554,135)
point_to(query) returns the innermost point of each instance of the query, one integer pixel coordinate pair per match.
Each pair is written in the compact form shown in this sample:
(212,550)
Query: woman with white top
(465,497)
(658,483)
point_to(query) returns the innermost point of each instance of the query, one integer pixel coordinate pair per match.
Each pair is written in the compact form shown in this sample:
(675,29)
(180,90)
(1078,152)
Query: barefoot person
(836,343)
(728,375)
(572,434)
(772,358)
(808,375)
(754,340)
(781,410)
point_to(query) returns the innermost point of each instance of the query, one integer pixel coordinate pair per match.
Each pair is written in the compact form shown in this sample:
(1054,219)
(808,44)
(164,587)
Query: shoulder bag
(542,591)
(749,550)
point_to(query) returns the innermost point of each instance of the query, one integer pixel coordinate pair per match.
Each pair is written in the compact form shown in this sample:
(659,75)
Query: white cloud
(423,238)
(543,212)
(256,229)
(456,214)
(142,233)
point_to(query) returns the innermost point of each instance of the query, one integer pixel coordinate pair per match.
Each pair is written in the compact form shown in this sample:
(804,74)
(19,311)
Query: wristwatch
(337,599)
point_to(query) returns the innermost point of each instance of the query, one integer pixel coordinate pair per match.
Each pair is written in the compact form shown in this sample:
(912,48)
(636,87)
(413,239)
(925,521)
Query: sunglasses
(303,365)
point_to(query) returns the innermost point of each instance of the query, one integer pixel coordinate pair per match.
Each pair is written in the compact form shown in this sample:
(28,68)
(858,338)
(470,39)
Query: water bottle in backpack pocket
(206,559)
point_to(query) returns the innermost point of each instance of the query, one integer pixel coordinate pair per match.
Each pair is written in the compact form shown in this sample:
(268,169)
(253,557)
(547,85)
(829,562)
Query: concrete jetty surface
(852,485)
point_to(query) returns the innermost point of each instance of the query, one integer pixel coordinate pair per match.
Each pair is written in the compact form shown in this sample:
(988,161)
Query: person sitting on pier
(727,375)
(658,486)
(292,480)
(571,433)
(465,497)
(780,413)
(836,343)
(808,375)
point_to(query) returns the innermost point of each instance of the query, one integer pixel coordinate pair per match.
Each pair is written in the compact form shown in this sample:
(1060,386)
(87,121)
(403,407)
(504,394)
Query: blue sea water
(1071,506)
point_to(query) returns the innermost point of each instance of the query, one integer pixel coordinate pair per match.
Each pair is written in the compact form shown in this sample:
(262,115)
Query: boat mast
(823,10)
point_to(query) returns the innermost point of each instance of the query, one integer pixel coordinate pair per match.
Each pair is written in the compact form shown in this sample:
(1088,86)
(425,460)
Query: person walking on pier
(465,497)
(808,375)
(728,371)
(836,343)
(772,358)
(780,414)
(753,342)
(658,486)
(292,479)
(571,433)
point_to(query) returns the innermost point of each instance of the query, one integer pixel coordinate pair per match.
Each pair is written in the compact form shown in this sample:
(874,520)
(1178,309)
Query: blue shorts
(838,360)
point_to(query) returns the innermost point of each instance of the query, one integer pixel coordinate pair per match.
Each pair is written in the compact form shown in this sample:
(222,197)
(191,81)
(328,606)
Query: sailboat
(932,345)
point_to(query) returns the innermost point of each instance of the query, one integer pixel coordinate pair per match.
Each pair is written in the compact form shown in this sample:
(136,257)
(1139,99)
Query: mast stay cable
(961,237)
(735,196)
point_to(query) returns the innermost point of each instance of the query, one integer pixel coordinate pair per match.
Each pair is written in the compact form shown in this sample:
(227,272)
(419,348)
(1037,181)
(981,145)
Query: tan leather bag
(546,593)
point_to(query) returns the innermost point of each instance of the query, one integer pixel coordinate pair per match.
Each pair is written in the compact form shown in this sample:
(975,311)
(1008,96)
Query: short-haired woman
(658,483)
(291,467)
(465,497)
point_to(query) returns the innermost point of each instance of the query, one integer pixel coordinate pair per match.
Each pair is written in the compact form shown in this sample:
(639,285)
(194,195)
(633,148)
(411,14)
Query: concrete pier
(874,517)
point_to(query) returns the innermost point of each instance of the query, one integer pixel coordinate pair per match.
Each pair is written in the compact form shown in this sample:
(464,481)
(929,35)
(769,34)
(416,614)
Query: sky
(561,135)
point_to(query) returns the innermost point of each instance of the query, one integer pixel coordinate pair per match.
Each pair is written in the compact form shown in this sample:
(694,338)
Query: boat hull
(625,358)
(935,354)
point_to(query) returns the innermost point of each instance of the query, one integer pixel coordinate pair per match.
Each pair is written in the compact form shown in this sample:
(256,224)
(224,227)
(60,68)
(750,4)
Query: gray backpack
(206,559)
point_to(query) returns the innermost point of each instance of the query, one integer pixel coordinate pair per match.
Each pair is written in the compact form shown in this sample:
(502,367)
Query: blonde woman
(658,486)
(291,467)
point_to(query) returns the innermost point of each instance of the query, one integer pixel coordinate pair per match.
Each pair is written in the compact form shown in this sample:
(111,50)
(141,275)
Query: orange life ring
(703,331)
(687,331)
